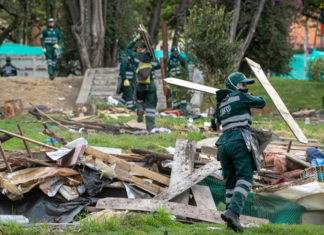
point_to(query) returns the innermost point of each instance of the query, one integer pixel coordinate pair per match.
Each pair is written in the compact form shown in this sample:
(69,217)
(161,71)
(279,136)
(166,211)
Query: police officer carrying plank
(145,90)
(127,72)
(50,40)
(173,66)
(8,69)
(233,113)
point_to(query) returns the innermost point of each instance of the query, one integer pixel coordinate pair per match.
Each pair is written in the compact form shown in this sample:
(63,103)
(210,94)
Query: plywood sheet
(282,109)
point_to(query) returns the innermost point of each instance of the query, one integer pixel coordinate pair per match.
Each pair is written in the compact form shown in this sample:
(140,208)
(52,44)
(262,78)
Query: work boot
(140,115)
(51,77)
(233,221)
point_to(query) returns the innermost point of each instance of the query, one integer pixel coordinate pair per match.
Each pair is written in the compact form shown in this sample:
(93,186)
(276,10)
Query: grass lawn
(153,142)
(157,223)
(294,93)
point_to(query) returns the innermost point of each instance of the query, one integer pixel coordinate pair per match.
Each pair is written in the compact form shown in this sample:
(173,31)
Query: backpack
(144,70)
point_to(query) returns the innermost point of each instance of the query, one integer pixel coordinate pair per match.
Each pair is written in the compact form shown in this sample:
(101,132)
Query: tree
(315,69)
(17,18)
(88,30)
(154,23)
(207,42)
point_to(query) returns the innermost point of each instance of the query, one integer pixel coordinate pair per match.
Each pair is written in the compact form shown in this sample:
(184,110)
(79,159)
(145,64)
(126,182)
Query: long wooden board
(197,176)
(203,197)
(282,109)
(139,170)
(299,161)
(179,209)
(191,85)
(147,39)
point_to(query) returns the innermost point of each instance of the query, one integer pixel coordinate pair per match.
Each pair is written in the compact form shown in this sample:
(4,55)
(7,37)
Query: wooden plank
(28,140)
(203,197)
(4,138)
(85,87)
(288,138)
(5,158)
(318,145)
(189,181)
(123,170)
(147,39)
(282,109)
(286,147)
(179,209)
(183,165)
(191,85)
(299,161)
(24,141)
(139,170)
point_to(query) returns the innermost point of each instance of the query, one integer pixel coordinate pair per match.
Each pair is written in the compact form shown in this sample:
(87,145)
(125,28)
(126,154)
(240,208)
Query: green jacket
(234,111)
(136,57)
(173,64)
(50,38)
(8,70)
(127,69)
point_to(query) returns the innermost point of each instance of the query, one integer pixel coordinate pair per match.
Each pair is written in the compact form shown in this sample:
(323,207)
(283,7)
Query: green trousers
(182,104)
(147,99)
(50,58)
(127,97)
(238,173)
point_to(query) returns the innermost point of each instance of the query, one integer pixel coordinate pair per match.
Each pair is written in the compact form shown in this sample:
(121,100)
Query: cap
(8,59)
(140,44)
(50,20)
(235,78)
(174,50)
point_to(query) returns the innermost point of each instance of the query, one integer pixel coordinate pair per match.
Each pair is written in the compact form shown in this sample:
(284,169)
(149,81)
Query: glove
(44,50)
(251,94)
(138,37)
(126,83)
(55,46)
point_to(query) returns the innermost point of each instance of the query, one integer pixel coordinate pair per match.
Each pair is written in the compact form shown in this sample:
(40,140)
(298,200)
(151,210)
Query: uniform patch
(225,110)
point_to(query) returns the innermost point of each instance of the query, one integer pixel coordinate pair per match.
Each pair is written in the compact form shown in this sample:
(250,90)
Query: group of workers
(137,71)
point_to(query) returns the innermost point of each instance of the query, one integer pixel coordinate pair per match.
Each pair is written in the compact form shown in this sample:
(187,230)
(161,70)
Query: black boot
(232,220)
(140,115)
(51,77)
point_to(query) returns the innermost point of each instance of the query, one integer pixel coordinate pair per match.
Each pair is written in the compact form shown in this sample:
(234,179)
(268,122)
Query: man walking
(50,40)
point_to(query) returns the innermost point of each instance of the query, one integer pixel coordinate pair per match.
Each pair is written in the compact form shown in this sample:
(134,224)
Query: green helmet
(140,44)
(233,80)
(174,50)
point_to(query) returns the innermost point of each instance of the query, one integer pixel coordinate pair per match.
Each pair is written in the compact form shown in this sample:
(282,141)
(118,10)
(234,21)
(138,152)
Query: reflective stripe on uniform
(237,118)
(129,77)
(136,60)
(230,100)
(183,101)
(49,62)
(121,100)
(150,110)
(150,115)
(130,73)
(236,124)
(228,200)
(153,63)
(229,191)
(241,190)
(246,183)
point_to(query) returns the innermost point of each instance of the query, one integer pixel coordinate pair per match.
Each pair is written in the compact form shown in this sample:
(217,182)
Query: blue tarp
(297,64)
(17,49)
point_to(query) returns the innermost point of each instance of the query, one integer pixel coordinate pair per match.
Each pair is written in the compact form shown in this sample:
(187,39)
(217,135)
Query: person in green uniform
(127,72)
(233,113)
(50,40)
(173,64)
(146,98)
(8,69)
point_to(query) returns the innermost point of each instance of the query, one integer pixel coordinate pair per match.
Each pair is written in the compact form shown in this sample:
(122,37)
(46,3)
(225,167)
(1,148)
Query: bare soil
(41,91)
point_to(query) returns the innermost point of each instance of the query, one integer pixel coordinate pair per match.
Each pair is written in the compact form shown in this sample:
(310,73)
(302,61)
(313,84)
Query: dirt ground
(41,91)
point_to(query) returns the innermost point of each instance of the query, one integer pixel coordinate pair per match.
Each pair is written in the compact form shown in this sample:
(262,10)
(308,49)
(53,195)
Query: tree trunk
(88,31)
(115,48)
(25,25)
(144,13)
(246,42)
(180,15)
(236,16)
(13,108)
(154,22)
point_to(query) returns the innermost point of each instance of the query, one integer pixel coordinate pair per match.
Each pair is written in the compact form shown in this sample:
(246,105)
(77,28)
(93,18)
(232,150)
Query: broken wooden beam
(51,134)
(136,169)
(4,138)
(5,159)
(183,165)
(299,161)
(203,197)
(189,181)
(179,209)
(24,141)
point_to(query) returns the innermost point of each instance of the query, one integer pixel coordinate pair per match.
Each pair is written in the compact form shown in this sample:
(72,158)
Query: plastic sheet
(52,185)
(92,181)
